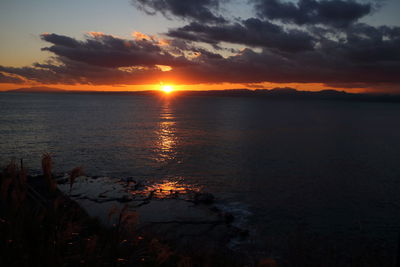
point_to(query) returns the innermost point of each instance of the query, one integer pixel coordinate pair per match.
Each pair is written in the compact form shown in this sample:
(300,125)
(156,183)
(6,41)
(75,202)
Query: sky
(350,45)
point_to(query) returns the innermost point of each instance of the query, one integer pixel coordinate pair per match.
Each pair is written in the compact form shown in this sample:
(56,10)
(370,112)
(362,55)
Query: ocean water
(330,168)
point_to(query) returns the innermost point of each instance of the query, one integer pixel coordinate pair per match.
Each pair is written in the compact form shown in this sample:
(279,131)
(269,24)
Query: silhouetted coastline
(276,93)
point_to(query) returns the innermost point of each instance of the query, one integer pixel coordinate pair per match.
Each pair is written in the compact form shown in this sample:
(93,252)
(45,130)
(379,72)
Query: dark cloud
(370,45)
(198,10)
(109,51)
(361,55)
(71,73)
(337,13)
(250,32)
(305,67)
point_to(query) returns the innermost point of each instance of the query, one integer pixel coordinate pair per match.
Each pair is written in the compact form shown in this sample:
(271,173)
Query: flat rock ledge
(177,212)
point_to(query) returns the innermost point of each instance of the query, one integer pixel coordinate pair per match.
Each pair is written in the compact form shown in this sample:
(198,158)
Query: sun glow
(167,88)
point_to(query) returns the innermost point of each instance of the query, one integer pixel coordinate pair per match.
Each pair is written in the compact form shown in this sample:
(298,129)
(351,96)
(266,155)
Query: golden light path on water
(166,147)
(167,189)
(167,139)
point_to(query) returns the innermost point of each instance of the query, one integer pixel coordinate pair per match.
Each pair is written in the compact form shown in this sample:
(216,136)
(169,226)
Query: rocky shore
(75,220)
(179,213)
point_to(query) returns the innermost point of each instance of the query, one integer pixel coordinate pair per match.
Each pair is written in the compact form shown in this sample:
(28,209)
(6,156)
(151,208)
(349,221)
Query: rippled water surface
(331,166)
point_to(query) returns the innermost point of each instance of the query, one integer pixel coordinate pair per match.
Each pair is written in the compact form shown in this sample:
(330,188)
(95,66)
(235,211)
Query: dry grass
(13,184)
(47,166)
(47,229)
(75,173)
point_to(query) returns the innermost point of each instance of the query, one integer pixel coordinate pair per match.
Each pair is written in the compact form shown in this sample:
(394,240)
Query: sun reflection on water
(167,189)
(166,133)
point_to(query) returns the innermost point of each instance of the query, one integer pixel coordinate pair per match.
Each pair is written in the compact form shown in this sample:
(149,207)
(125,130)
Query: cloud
(198,10)
(108,51)
(337,13)
(10,79)
(305,67)
(72,73)
(251,32)
(361,54)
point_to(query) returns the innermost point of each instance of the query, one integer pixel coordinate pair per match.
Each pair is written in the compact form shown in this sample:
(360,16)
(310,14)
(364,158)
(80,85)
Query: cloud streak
(198,10)
(10,79)
(337,13)
(251,32)
(108,51)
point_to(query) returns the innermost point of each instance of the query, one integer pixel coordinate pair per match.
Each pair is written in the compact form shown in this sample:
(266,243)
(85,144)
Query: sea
(317,174)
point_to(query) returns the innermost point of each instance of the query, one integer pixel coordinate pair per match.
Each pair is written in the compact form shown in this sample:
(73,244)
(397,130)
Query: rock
(125,198)
(268,262)
(129,179)
(229,218)
(204,198)
(243,233)
(139,185)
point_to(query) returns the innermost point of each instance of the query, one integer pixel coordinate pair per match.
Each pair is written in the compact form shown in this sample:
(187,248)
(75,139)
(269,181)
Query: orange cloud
(96,34)
(139,36)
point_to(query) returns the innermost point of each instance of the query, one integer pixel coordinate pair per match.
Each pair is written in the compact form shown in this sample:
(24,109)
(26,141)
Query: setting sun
(167,88)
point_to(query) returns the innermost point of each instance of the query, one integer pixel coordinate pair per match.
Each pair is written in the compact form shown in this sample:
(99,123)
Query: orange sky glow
(183,87)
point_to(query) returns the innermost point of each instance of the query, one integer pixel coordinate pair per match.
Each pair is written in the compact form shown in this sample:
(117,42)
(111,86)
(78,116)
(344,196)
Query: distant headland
(275,93)
(38,89)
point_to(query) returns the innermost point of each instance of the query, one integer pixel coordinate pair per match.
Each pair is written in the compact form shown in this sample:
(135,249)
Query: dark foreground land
(42,226)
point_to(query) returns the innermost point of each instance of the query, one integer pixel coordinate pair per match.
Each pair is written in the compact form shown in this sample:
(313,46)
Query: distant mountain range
(276,93)
(39,89)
